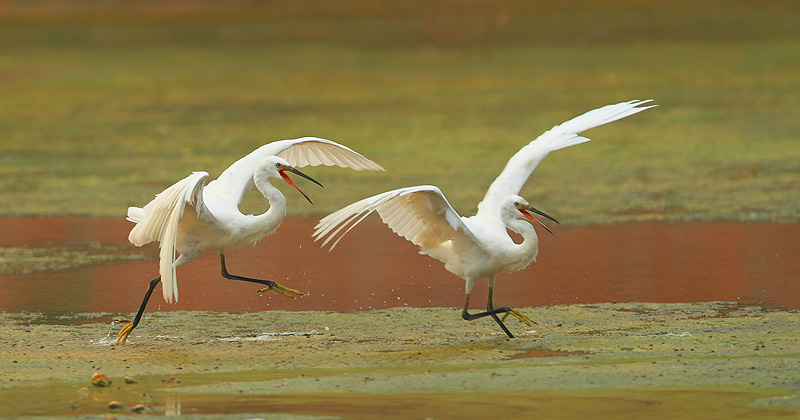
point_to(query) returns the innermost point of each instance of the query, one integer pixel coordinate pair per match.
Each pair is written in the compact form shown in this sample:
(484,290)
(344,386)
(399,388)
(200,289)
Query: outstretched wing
(305,151)
(522,164)
(158,221)
(420,214)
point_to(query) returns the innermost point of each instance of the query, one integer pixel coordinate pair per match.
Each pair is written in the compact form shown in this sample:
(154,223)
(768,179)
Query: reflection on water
(173,406)
(748,263)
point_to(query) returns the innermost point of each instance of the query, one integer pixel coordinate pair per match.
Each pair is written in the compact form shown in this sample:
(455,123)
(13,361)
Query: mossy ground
(626,360)
(103,107)
(19,260)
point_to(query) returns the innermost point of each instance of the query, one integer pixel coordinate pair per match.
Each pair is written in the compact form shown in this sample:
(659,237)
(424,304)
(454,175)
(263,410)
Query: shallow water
(662,402)
(748,263)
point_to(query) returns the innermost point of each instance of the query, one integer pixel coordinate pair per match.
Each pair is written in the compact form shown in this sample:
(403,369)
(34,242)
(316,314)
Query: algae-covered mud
(701,360)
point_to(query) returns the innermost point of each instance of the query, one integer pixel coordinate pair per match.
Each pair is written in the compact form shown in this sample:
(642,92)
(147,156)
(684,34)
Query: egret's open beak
(526,209)
(290,182)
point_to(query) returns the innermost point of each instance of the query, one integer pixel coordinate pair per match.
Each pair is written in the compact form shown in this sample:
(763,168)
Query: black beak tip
(294,170)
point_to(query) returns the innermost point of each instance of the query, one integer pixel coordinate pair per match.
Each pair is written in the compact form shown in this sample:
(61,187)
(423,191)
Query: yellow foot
(123,334)
(282,290)
(520,316)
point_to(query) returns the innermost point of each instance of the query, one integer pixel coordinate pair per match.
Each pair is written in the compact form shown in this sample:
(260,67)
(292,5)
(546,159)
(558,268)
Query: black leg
(126,330)
(490,308)
(271,285)
(490,312)
(503,326)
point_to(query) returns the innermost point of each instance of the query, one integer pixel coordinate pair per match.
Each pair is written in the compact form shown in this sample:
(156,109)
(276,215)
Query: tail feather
(158,221)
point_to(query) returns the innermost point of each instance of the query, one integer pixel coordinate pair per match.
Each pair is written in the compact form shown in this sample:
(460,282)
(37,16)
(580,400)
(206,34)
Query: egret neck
(526,251)
(264,224)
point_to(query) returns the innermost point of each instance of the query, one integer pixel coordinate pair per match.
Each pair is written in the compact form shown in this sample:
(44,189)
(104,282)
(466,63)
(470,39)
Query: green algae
(90,126)
(658,360)
(23,260)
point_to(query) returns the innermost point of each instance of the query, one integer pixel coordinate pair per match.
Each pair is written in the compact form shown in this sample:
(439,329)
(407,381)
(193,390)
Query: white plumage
(191,217)
(159,219)
(478,246)
(215,221)
(301,152)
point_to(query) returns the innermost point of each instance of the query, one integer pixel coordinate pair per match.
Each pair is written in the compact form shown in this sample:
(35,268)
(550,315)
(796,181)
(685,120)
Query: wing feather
(304,151)
(522,164)
(158,221)
(420,214)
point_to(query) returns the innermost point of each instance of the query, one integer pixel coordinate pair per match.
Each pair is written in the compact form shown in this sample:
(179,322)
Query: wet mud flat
(631,360)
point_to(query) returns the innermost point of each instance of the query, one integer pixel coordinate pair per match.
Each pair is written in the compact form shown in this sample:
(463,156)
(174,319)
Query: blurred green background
(105,103)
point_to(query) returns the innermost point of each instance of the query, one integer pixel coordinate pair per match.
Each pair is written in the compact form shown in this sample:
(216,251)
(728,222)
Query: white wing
(420,214)
(305,151)
(522,164)
(158,221)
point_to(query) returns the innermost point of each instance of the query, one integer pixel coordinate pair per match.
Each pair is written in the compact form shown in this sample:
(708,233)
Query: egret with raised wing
(192,217)
(478,246)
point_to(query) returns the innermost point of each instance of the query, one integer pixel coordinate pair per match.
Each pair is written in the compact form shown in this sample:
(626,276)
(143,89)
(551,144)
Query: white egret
(478,246)
(191,217)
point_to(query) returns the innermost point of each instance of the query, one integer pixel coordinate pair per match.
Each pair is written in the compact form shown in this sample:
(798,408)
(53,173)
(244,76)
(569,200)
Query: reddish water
(750,263)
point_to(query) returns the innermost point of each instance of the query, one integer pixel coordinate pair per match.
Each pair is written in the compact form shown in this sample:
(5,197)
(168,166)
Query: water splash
(111,336)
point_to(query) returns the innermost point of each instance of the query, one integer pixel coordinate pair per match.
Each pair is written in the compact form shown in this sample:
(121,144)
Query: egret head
(522,210)
(276,167)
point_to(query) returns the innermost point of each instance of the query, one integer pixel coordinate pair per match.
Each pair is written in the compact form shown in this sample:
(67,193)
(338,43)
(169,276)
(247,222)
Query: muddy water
(749,263)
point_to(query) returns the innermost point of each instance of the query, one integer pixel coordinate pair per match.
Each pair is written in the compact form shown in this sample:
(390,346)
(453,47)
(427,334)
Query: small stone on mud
(100,380)
(114,405)
(138,408)
(129,380)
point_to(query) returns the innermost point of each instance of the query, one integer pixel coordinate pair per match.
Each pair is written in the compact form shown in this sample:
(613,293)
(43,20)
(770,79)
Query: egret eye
(516,204)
